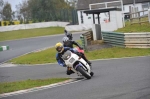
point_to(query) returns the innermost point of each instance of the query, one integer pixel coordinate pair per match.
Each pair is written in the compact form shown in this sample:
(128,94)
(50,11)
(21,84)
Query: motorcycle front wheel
(83,72)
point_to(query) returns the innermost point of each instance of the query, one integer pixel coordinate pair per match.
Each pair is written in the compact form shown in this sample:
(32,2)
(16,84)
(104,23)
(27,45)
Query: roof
(84,4)
(97,11)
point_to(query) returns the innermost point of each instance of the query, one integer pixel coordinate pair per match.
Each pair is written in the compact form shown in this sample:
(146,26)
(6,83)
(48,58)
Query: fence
(86,39)
(113,3)
(136,16)
(129,40)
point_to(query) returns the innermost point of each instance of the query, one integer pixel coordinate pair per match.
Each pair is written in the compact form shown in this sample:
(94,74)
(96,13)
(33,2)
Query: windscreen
(66,55)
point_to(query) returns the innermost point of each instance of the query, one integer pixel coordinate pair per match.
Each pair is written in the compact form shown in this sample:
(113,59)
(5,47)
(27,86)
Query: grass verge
(48,56)
(15,86)
(19,34)
(144,27)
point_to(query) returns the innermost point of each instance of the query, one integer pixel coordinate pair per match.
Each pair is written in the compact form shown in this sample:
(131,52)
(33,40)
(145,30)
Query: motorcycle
(77,64)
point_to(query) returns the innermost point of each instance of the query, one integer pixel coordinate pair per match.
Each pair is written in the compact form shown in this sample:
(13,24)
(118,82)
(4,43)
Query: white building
(83,5)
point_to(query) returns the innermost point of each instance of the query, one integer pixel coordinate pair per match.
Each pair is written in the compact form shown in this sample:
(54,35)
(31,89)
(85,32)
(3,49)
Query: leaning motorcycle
(77,64)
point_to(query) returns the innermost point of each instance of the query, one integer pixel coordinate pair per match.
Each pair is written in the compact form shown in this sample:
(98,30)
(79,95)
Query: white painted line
(39,88)
(8,65)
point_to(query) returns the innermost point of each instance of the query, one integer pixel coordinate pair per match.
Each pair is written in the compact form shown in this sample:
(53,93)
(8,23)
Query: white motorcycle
(77,64)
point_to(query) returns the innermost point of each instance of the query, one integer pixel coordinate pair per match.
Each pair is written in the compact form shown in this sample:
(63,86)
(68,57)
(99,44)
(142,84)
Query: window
(145,6)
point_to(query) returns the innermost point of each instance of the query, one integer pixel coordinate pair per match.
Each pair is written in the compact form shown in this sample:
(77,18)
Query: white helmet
(65,39)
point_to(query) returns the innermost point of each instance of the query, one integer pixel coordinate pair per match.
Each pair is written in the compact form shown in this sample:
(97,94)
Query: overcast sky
(13,3)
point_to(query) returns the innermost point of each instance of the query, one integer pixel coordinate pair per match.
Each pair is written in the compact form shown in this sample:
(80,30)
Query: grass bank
(144,27)
(15,86)
(19,34)
(48,56)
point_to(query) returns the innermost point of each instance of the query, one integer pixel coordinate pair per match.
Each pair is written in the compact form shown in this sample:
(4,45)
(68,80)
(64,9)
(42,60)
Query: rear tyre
(83,72)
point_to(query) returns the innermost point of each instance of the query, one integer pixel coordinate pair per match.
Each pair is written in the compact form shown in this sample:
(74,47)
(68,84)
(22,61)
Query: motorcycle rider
(69,35)
(61,49)
(70,43)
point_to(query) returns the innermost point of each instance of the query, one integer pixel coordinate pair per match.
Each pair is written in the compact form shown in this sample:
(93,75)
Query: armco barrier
(113,38)
(137,40)
(129,40)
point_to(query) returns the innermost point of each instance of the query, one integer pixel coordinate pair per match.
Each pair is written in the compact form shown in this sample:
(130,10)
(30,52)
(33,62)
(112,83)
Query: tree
(72,3)
(42,10)
(1,7)
(7,12)
(23,11)
(47,9)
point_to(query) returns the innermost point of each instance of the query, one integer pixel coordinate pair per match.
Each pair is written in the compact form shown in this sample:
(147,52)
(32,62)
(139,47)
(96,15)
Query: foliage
(23,10)
(21,21)
(7,12)
(11,23)
(39,10)
(5,23)
(1,7)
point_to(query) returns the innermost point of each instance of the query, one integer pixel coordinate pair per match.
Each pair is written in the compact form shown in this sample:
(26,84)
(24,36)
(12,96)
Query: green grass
(144,27)
(48,56)
(19,34)
(117,52)
(15,86)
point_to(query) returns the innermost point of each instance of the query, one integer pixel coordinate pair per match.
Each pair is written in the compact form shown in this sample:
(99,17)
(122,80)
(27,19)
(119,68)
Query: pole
(134,3)
(122,13)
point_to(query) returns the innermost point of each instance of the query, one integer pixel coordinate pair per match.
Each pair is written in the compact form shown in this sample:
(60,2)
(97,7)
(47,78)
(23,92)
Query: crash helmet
(65,39)
(59,47)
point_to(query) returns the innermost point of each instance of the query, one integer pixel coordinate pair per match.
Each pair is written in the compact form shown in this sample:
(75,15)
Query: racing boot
(83,56)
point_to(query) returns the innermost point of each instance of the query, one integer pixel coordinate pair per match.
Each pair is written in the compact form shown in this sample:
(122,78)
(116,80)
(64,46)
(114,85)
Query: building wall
(126,7)
(115,23)
(88,19)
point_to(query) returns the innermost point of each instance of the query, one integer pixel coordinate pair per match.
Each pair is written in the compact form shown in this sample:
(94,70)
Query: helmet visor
(59,49)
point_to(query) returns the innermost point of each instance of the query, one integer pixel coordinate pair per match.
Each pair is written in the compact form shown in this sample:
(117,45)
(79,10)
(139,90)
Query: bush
(21,21)
(5,23)
(11,23)
(27,22)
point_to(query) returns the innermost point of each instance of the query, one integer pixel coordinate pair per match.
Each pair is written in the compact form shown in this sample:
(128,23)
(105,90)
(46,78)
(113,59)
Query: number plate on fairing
(71,60)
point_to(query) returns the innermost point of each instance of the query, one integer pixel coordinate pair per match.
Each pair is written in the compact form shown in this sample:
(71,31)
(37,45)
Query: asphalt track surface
(127,78)
(23,46)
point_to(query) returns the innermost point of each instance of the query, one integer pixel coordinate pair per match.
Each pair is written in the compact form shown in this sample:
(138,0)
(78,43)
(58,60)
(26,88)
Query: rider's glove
(64,65)
(79,54)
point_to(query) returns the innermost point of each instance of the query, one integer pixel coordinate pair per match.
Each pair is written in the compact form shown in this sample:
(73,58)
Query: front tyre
(83,72)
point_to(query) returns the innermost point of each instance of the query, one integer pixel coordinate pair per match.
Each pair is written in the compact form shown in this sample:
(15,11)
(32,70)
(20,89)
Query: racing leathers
(70,44)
